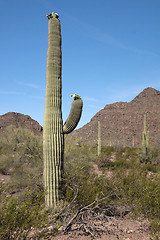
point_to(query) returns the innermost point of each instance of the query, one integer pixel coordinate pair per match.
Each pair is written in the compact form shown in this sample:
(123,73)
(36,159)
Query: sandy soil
(114,229)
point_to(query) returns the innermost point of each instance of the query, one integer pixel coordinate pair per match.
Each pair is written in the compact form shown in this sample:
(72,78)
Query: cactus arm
(75,114)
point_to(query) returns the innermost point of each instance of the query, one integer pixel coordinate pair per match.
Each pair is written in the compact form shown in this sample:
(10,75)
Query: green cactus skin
(53,135)
(99,138)
(74,116)
(145,137)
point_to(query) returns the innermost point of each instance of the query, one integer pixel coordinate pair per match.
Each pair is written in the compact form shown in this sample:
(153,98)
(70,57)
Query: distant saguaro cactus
(99,138)
(145,137)
(133,141)
(53,130)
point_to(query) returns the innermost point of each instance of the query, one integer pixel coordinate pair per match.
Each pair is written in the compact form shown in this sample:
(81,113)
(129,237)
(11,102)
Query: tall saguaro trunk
(53,133)
(53,129)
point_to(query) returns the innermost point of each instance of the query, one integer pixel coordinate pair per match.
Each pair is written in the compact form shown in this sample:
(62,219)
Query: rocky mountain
(122,122)
(19,120)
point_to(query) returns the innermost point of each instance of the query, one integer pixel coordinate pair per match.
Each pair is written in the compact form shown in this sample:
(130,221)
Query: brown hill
(19,120)
(122,122)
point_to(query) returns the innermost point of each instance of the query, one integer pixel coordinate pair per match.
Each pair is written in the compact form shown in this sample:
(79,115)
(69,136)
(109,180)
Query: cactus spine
(145,137)
(53,135)
(99,138)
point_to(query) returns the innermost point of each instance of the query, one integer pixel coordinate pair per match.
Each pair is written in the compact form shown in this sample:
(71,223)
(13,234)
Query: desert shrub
(108,150)
(120,163)
(150,167)
(141,192)
(88,187)
(75,151)
(18,217)
(124,158)
(130,185)
(104,161)
(152,156)
(148,199)
(127,153)
(6,164)
(21,156)
(80,183)
(136,184)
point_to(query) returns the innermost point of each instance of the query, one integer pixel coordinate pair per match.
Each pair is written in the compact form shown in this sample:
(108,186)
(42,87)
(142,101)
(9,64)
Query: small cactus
(99,138)
(133,141)
(145,137)
(53,129)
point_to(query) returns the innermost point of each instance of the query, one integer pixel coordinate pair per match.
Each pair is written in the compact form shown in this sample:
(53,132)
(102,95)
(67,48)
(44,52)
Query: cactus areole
(53,129)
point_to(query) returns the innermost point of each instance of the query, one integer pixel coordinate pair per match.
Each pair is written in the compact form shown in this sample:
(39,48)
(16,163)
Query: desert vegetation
(124,184)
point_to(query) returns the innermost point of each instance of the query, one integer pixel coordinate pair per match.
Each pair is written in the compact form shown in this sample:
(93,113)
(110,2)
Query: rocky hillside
(19,120)
(122,122)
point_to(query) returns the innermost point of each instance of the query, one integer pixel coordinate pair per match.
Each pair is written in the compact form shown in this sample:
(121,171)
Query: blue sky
(110,53)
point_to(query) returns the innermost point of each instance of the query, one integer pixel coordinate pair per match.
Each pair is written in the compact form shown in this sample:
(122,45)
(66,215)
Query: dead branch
(88,215)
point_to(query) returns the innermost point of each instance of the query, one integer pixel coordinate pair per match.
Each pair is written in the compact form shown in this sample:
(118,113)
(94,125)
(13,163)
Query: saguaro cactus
(53,130)
(133,141)
(99,138)
(145,137)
